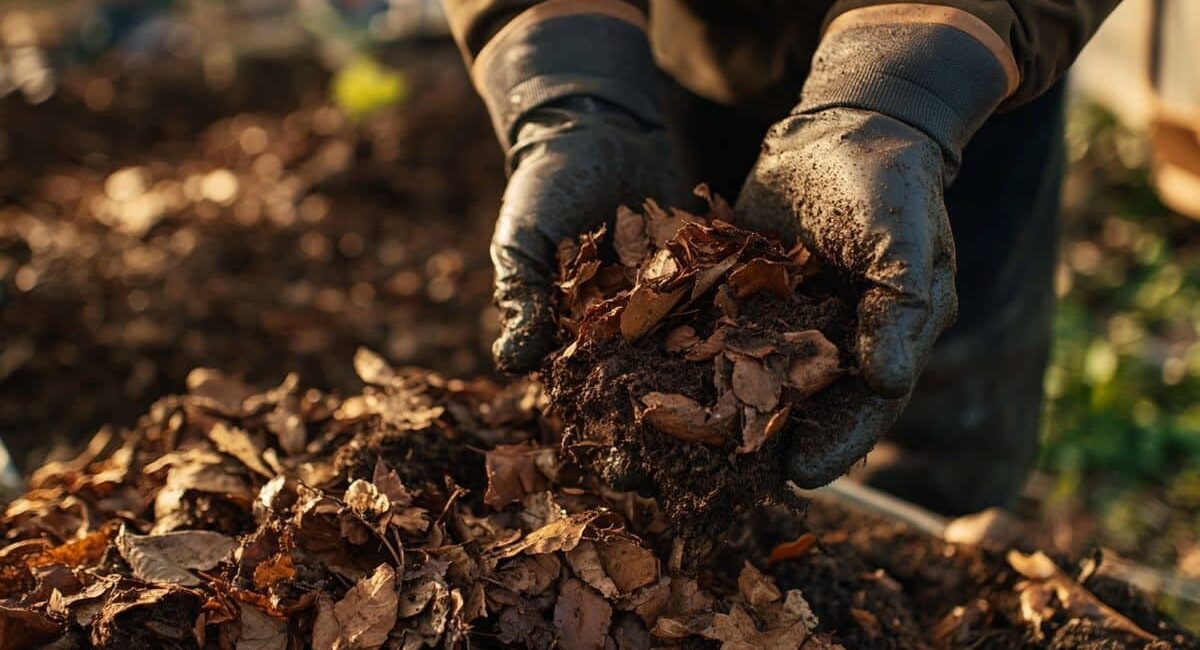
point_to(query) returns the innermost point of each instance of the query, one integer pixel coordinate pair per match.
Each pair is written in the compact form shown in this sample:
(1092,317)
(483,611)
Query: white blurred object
(10,479)
(1144,67)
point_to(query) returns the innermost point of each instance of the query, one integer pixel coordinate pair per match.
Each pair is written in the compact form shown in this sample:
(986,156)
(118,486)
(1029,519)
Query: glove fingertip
(521,351)
(888,368)
(527,337)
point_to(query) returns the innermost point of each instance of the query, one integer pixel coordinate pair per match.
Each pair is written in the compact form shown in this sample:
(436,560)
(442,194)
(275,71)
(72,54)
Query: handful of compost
(705,363)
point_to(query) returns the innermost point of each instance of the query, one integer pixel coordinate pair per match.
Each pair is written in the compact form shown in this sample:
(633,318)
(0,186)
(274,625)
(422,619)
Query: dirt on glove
(700,357)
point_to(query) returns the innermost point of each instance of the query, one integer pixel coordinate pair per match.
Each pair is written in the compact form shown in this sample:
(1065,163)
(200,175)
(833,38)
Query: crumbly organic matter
(701,356)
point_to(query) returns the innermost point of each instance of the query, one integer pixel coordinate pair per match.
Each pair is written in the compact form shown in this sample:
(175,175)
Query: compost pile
(427,512)
(150,224)
(700,356)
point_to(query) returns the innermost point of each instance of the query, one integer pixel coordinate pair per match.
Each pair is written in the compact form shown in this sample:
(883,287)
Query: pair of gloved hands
(856,173)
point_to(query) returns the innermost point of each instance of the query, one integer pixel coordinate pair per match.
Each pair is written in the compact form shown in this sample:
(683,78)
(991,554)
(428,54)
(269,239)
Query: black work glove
(573,101)
(857,173)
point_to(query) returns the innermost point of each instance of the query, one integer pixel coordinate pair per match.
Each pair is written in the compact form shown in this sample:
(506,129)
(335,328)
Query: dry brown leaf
(261,631)
(793,549)
(512,473)
(661,268)
(25,628)
(277,568)
(629,564)
(1043,574)
(288,426)
(677,628)
(585,562)
(661,226)
(717,205)
(789,611)
(581,617)
(1036,606)
(417,595)
(218,391)
(77,552)
(737,631)
(759,347)
(755,384)
(326,631)
(709,276)
(361,620)
(688,598)
(681,339)
(756,588)
(809,374)
(166,558)
(761,274)
(760,427)
(562,535)
(709,347)
(530,575)
(680,417)
(629,237)
(649,602)
(237,443)
(646,307)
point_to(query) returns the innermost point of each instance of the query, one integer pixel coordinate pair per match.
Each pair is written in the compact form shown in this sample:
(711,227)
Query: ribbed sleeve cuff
(933,77)
(595,55)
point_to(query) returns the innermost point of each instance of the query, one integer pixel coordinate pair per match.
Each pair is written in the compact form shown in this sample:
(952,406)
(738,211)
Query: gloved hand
(857,173)
(573,100)
(572,165)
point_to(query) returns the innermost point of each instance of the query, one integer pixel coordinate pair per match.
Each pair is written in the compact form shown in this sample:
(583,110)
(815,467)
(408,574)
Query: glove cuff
(933,77)
(540,59)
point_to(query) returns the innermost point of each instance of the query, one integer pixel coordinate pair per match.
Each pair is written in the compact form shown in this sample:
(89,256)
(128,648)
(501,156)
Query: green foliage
(1122,428)
(364,86)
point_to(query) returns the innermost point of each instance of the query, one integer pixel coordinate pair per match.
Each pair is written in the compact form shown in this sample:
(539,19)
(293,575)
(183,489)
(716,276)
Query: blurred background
(264,185)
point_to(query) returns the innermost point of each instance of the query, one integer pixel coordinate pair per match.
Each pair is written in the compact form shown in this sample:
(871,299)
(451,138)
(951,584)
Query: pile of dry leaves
(713,340)
(421,513)
(427,512)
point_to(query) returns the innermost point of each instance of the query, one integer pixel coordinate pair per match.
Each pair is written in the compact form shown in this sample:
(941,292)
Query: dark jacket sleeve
(474,22)
(1044,36)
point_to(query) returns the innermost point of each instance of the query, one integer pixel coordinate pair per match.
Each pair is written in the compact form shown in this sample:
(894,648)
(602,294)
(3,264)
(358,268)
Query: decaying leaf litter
(691,350)
(426,512)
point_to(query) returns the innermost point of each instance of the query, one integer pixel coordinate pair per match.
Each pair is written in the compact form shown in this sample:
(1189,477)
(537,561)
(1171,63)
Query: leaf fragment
(793,549)
(808,374)
(581,617)
(561,535)
(1045,577)
(166,558)
(646,307)
(512,473)
(362,619)
(629,237)
(237,443)
(681,339)
(755,384)
(761,274)
(680,416)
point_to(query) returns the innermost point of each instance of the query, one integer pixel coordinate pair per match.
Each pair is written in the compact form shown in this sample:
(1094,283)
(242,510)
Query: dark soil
(701,487)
